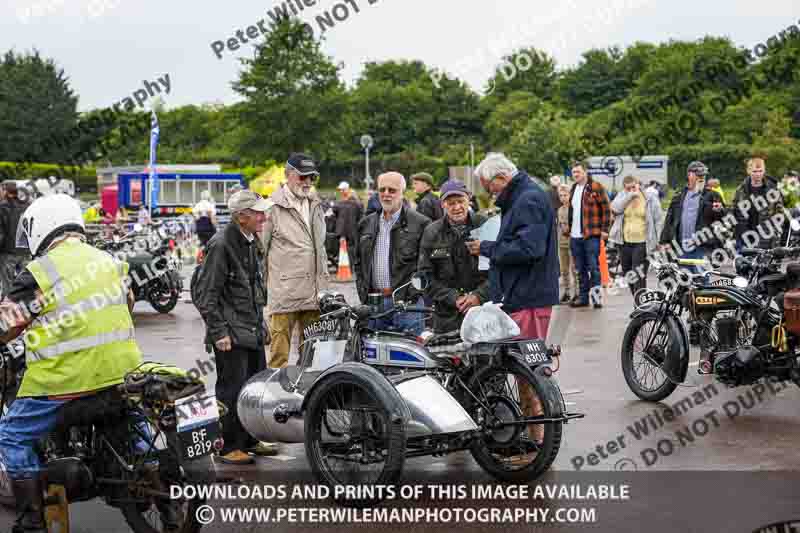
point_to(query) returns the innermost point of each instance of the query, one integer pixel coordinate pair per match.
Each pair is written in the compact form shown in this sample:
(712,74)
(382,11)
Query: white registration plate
(198,424)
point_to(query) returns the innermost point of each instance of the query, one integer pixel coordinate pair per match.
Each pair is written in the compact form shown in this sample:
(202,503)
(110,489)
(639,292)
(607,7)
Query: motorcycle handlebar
(418,310)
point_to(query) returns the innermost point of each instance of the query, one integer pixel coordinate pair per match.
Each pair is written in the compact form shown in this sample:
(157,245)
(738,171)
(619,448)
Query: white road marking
(695,363)
(283,458)
(570,392)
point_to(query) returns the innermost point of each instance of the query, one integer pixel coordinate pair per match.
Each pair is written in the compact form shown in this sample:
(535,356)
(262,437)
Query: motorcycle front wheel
(645,365)
(164,515)
(508,393)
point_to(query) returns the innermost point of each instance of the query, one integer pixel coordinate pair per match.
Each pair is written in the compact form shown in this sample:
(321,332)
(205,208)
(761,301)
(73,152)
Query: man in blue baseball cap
(456,283)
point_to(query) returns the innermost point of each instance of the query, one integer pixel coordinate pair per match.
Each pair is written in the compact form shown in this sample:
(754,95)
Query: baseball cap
(248,200)
(302,163)
(452,187)
(423,176)
(698,168)
(343,186)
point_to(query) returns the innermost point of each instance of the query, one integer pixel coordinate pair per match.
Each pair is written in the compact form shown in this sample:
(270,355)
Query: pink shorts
(533,323)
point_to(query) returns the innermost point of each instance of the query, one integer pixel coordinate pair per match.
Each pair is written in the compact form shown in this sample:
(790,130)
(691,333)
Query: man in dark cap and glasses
(296,261)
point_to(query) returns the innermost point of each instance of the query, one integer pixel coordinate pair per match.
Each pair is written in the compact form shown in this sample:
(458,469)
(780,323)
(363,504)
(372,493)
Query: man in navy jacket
(524,268)
(524,260)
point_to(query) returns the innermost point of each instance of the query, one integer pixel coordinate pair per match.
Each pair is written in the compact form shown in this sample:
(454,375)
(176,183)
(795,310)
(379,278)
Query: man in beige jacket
(296,263)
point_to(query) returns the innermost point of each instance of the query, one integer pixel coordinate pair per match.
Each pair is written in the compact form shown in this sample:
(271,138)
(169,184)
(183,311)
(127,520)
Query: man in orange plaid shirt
(590,219)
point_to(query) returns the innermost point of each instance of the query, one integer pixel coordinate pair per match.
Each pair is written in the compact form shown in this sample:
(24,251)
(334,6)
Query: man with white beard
(296,263)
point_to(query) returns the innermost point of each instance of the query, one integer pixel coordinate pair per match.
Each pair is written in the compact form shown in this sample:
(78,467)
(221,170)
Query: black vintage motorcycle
(155,271)
(127,445)
(746,325)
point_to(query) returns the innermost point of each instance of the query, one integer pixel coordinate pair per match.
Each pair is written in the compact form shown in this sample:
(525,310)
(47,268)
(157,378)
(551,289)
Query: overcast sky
(109,47)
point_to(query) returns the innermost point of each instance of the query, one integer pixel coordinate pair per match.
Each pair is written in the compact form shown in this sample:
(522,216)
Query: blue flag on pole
(155,132)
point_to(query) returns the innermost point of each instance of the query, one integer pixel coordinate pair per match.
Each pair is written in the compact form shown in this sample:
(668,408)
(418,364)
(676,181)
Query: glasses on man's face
(388,190)
(307,177)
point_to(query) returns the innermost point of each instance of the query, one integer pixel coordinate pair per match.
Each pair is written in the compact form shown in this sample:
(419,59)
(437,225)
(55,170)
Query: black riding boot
(29,498)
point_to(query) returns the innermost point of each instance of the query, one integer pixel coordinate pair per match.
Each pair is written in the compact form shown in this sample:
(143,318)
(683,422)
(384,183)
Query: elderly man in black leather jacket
(388,250)
(456,283)
(231,298)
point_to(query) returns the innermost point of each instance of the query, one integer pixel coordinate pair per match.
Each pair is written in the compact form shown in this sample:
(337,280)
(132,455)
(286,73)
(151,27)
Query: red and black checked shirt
(595,209)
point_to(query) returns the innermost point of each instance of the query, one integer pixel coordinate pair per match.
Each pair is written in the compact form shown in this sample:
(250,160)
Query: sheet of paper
(327,354)
(488,231)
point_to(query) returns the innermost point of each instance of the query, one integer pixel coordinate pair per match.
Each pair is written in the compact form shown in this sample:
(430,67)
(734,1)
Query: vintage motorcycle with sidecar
(363,401)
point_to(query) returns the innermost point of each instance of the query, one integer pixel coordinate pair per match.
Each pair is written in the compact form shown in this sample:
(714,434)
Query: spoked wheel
(154,514)
(351,438)
(507,394)
(644,365)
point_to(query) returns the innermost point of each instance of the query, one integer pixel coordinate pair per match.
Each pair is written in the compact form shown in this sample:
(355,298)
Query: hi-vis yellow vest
(83,338)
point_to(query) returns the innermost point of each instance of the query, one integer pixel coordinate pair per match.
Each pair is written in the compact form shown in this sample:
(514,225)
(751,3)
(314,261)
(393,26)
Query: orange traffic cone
(605,277)
(344,273)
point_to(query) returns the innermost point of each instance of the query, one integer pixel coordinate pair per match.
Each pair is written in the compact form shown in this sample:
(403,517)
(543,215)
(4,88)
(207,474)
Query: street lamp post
(366,144)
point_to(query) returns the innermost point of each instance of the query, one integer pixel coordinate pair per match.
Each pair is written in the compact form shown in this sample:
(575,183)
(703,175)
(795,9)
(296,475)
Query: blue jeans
(586,253)
(413,322)
(27,422)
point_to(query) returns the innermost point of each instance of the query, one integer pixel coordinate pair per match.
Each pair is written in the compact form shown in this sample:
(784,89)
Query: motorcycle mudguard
(680,366)
(545,379)
(380,387)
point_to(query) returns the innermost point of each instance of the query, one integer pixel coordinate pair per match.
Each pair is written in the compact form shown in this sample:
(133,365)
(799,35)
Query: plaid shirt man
(382,274)
(595,209)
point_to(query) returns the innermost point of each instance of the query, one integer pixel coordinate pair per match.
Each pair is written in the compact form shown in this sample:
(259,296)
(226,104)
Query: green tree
(510,117)
(526,69)
(401,106)
(548,142)
(292,94)
(37,109)
(596,82)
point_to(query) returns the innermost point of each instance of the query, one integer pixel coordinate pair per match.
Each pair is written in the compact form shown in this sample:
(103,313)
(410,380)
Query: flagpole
(152,186)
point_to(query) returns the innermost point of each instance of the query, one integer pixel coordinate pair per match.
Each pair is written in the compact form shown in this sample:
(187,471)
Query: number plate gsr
(198,425)
(534,352)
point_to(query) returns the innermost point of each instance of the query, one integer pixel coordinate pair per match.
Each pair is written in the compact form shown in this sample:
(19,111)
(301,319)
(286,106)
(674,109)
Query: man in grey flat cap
(231,298)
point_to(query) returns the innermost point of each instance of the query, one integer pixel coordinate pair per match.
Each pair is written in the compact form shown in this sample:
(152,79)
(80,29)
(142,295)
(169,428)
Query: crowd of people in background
(258,284)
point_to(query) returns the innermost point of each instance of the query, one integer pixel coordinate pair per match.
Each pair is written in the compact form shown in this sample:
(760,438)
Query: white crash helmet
(45,219)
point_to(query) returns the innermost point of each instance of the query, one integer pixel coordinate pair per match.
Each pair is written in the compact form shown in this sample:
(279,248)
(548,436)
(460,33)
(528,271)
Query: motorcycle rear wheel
(160,303)
(505,454)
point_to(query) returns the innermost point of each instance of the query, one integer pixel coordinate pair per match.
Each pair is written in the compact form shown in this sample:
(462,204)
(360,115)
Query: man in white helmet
(73,303)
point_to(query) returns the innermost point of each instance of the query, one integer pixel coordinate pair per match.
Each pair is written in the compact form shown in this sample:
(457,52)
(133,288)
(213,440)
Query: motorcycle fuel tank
(719,298)
(386,350)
